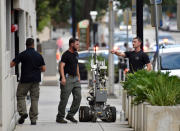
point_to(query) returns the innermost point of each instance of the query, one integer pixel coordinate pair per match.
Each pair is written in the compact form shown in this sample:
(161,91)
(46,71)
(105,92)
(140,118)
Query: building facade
(17,22)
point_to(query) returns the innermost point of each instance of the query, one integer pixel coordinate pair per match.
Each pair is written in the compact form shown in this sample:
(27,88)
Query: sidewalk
(48,104)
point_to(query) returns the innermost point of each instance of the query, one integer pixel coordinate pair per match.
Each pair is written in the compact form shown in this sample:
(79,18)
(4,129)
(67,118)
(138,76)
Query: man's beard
(74,49)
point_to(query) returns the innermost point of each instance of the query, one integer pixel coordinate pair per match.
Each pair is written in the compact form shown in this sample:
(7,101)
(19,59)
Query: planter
(162,118)
(125,103)
(135,117)
(129,111)
(140,117)
(127,108)
(124,97)
(133,113)
(144,124)
(159,89)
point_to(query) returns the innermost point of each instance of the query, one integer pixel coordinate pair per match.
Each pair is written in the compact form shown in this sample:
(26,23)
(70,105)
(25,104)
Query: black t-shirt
(31,63)
(71,61)
(137,60)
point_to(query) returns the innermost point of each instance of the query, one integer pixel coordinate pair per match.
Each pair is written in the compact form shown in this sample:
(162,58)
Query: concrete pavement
(48,104)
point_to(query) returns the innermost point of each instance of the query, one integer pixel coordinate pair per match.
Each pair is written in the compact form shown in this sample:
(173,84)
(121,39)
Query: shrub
(156,88)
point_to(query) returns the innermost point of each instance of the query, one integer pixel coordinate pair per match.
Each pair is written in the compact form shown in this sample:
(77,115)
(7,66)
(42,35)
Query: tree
(127,3)
(43,13)
(58,12)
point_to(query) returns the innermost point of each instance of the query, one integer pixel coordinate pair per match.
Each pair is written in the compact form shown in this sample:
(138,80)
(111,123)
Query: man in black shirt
(69,82)
(31,68)
(137,58)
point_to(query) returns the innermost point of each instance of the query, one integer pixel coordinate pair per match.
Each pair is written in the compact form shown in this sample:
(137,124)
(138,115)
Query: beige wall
(8,83)
(2,40)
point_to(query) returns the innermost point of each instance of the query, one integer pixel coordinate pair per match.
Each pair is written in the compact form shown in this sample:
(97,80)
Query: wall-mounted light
(14,27)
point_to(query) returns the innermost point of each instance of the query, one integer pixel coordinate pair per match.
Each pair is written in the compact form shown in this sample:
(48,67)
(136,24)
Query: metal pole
(73,18)
(111,58)
(139,19)
(178,14)
(157,40)
(94,41)
(127,16)
(91,36)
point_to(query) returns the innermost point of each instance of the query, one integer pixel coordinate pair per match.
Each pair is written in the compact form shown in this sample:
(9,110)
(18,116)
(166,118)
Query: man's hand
(149,67)
(12,64)
(43,68)
(118,53)
(113,51)
(63,81)
(79,79)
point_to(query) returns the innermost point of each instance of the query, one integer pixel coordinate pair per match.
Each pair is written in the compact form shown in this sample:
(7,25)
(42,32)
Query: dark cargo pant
(72,86)
(22,91)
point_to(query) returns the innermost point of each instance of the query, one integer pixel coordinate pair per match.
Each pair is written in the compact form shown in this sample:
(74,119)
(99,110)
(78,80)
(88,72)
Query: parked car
(169,61)
(170,25)
(84,57)
(122,26)
(166,46)
(166,39)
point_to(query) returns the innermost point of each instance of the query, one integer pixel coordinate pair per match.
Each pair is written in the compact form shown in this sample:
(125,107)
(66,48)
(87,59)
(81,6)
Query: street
(149,33)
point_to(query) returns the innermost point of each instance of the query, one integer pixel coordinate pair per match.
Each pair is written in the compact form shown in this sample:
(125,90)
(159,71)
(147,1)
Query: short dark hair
(29,42)
(71,40)
(76,39)
(138,38)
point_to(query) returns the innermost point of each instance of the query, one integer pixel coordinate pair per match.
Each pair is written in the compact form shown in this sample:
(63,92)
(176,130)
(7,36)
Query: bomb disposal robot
(98,96)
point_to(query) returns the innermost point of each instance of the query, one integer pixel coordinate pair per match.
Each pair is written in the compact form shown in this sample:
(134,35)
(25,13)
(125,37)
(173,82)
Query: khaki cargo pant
(22,90)
(72,86)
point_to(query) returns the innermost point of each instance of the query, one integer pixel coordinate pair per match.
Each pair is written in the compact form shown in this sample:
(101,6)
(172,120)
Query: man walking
(31,68)
(137,58)
(69,82)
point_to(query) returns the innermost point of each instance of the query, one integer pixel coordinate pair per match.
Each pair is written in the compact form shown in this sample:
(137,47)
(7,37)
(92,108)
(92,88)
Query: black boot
(61,120)
(22,118)
(71,118)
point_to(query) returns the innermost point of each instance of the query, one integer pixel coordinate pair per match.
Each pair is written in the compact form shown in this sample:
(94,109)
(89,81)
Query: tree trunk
(88,6)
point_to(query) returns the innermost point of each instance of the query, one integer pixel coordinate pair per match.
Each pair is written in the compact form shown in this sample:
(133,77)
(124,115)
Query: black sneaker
(61,120)
(22,118)
(71,118)
(33,122)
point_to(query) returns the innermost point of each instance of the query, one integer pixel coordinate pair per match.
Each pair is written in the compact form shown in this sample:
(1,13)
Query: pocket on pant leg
(77,84)
(34,91)
(22,90)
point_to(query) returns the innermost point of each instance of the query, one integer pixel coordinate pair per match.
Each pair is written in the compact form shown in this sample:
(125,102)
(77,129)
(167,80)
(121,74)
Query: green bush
(156,88)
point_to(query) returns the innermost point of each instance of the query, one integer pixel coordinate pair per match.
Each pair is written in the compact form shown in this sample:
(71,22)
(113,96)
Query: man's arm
(16,60)
(61,68)
(118,53)
(43,68)
(78,74)
(148,66)
(12,64)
